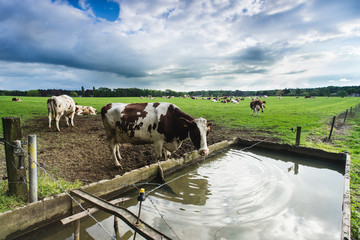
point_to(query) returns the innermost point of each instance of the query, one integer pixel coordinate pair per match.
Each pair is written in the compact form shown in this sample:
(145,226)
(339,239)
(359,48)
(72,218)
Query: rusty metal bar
(128,217)
(82,214)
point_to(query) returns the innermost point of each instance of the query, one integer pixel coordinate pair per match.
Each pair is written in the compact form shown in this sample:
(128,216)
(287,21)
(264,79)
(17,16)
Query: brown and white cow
(15,99)
(256,105)
(162,124)
(58,106)
(85,110)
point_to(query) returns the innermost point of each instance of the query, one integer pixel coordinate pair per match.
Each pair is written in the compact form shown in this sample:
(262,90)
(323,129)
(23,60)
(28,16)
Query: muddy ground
(81,152)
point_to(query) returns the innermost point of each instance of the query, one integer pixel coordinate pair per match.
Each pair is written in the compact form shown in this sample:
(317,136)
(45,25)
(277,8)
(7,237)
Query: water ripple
(238,188)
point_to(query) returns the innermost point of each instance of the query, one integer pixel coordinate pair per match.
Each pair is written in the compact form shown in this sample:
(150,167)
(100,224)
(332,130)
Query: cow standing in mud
(162,124)
(58,106)
(256,105)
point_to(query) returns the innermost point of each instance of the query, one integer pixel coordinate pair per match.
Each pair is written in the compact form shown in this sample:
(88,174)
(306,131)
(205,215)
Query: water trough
(20,221)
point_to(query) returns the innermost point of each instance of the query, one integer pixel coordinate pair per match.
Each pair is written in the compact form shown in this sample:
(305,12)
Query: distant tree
(342,93)
(33,93)
(286,92)
(82,91)
(73,94)
(314,92)
(279,92)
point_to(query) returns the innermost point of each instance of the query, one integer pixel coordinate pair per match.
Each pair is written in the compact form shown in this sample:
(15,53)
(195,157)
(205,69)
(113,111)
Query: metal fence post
(32,149)
(16,175)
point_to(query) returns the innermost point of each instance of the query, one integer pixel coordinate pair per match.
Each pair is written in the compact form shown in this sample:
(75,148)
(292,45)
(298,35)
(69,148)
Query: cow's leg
(118,155)
(67,120)
(71,118)
(158,146)
(114,148)
(57,120)
(167,154)
(50,118)
(257,108)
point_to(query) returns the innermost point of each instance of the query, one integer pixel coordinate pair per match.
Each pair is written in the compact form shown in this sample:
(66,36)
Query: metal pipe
(32,150)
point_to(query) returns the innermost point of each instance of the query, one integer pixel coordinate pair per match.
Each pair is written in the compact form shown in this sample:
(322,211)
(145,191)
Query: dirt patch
(81,152)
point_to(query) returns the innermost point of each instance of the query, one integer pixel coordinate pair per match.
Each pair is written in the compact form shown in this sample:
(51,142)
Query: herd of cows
(162,124)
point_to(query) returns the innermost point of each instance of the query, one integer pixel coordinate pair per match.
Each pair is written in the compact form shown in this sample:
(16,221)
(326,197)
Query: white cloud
(182,44)
(344,80)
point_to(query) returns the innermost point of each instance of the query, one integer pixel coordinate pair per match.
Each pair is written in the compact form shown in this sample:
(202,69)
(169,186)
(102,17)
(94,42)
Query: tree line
(136,92)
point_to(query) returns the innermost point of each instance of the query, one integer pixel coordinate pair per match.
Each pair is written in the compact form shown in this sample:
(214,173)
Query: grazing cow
(256,105)
(163,124)
(85,110)
(15,99)
(58,106)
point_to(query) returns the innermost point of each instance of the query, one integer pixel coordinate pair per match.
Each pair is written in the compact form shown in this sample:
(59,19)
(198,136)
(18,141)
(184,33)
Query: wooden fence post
(346,113)
(16,177)
(332,127)
(298,134)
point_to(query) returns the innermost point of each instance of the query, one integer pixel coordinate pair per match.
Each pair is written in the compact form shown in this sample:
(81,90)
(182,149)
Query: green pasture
(279,117)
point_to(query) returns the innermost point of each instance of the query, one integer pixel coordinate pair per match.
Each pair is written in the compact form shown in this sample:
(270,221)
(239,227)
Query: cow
(162,124)
(85,110)
(256,105)
(16,99)
(58,106)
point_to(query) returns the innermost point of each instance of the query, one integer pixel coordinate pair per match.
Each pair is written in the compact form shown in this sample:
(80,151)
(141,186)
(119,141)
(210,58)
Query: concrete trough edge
(41,213)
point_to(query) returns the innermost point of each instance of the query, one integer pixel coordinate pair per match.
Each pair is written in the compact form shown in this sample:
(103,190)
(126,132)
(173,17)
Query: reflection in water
(255,194)
(188,189)
(294,168)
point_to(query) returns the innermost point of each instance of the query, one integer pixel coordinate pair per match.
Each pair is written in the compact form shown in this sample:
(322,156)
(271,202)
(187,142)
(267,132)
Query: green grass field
(280,115)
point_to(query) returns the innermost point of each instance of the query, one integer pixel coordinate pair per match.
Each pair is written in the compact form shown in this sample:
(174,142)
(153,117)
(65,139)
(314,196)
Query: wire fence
(336,122)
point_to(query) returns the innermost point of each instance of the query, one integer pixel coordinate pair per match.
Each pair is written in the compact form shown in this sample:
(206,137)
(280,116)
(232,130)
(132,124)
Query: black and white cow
(162,124)
(256,105)
(58,106)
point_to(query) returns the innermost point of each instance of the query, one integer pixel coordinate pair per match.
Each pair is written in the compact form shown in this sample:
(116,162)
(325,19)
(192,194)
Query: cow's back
(62,104)
(134,122)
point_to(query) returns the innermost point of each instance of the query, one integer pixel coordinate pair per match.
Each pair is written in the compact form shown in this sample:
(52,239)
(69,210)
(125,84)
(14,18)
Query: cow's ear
(186,123)
(209,124)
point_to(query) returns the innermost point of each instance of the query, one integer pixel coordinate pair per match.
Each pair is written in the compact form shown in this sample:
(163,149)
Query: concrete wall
(30,217)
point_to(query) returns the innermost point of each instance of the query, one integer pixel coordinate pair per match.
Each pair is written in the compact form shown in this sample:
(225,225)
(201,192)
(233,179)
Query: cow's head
(198,130)
(262,105)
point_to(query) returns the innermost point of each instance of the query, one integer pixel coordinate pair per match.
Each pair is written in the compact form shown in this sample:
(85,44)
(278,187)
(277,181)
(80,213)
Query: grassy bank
(280,116)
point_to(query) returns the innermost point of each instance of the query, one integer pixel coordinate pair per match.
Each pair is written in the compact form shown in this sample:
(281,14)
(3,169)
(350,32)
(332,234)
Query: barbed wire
(163,218)
(144,183)
(62,188)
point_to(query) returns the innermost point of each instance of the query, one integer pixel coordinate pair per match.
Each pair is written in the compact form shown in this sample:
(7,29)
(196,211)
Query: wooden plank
(82,214)
(128,217)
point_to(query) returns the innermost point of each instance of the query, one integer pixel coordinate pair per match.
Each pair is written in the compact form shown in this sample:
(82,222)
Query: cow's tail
(51,107)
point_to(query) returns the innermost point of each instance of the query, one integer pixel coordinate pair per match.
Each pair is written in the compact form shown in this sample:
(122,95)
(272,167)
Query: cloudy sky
(179,45)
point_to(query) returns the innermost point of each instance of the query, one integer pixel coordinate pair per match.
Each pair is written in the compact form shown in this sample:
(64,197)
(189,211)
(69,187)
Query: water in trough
(256,194)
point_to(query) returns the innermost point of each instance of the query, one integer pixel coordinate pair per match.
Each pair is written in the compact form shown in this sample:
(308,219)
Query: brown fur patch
(256,102)
(171,126)
(105,109)
(131,114)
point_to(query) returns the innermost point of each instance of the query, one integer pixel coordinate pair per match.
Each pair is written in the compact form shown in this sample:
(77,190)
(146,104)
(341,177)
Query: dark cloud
(154,43)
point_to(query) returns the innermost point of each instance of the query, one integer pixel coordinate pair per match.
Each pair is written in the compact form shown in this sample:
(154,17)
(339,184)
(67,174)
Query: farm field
(81,153)
(279,117)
